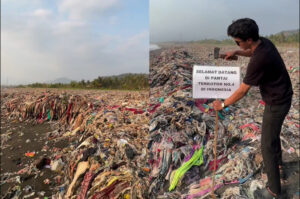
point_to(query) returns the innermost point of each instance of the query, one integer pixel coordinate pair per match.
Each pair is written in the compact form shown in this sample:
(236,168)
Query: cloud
(67,27)
(22,63)
(47,41)
(46,51)
(113,20)
(105,55)
(135,41)
(41,13)
(77,9)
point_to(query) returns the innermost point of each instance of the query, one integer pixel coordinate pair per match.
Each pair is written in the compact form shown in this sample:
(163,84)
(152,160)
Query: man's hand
(236,96)
(217,105)
(230,54)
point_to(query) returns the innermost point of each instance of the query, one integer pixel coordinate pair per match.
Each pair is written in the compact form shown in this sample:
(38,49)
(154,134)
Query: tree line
(282,38)
(279,38)
(121,82)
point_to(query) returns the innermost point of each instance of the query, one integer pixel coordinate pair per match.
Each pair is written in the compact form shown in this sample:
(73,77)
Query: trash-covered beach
(182,130)
(140,144)
(73,144)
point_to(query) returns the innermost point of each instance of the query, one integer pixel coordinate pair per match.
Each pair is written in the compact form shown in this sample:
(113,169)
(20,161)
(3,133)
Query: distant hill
(62,80)
(124,75)
(288,32)
(285,37)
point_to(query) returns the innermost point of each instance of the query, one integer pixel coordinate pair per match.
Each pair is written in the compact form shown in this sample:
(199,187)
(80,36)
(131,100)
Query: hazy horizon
(155,43)
(42,40)
(193,20)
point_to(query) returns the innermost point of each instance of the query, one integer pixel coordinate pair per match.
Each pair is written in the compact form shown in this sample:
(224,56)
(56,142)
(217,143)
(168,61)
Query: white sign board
(215,81)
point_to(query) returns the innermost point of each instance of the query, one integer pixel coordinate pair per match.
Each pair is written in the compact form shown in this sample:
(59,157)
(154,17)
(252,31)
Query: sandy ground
(13,157)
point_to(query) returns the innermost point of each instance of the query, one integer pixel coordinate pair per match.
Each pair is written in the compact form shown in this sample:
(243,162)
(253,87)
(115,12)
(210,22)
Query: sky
(188,20)
(42,40)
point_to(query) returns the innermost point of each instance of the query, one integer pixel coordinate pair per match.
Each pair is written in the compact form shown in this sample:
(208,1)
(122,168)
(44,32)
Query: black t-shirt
(267,70)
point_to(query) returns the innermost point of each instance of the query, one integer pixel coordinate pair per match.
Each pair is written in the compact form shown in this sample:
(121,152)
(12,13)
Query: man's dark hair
(244,29)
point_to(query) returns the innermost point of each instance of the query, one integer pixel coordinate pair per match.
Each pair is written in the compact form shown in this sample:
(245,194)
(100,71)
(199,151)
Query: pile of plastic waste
(106,156)
(182,131)
(113,144)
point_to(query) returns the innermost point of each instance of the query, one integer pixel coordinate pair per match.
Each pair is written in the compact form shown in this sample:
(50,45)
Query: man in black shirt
(267,70)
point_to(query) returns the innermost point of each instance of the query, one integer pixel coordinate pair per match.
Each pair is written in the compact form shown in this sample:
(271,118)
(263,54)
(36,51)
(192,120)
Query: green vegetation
(121,82)
(284,37)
